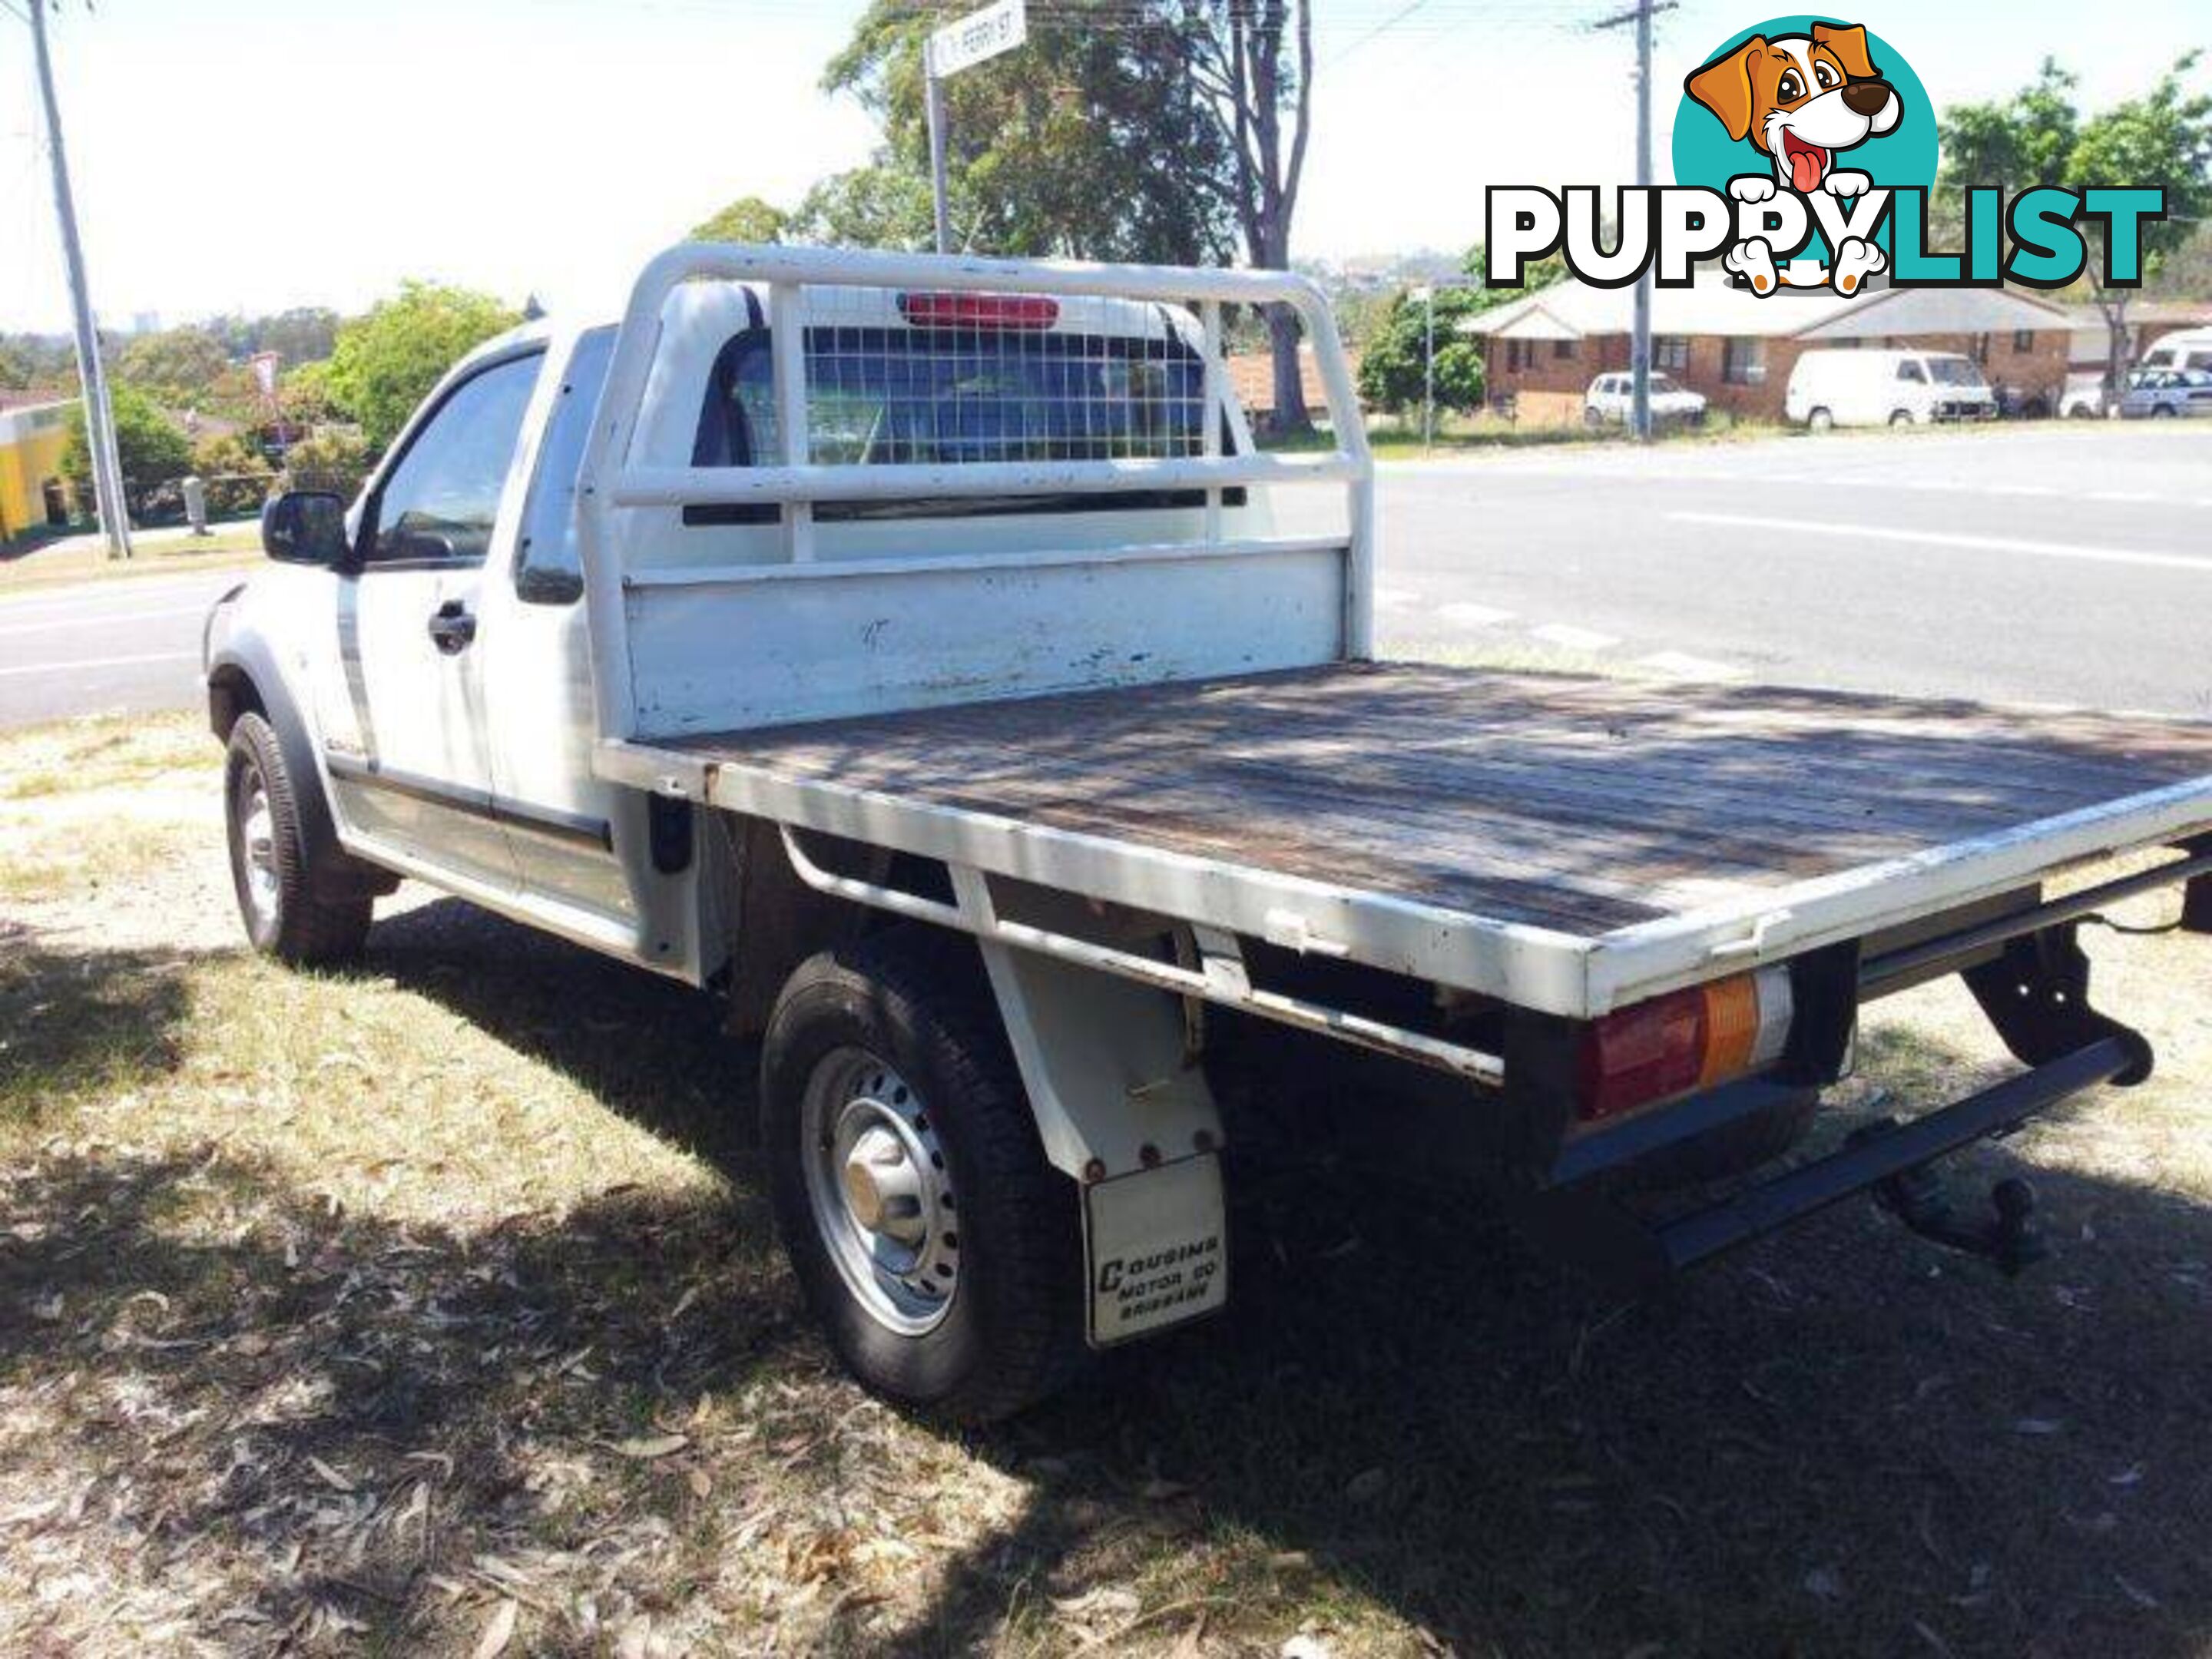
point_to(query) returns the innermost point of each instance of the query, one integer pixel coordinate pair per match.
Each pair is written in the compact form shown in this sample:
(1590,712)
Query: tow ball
(1920,1200)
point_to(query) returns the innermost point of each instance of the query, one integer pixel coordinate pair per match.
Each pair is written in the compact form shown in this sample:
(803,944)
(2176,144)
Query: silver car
(2166,391)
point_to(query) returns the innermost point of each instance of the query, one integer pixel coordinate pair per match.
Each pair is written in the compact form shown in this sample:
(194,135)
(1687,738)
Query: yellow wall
(28,458)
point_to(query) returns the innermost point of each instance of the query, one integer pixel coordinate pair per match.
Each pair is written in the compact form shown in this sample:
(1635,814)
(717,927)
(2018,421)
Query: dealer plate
(1155,1245)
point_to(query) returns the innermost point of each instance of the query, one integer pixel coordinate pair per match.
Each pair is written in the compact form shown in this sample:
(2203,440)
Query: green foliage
(336,458)
(747,219)
(1392,369)
(236,473)
(385,363)
(2040,137)
(303,394)
(880,205)
(152,449)
(304,334)
(178,367)
(1089,143)
(37,360)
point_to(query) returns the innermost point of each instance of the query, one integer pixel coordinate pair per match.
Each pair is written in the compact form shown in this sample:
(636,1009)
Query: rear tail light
(1684,1041)
(979,310)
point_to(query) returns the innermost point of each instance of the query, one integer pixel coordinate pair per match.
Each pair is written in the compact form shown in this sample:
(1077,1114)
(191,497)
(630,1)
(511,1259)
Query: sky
(253,154)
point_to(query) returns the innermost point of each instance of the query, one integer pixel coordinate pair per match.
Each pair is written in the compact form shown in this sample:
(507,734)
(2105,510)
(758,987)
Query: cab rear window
(907,396)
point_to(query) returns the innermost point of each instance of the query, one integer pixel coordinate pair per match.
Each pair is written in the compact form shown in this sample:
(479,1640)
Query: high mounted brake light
(979,310)
(1686,1040)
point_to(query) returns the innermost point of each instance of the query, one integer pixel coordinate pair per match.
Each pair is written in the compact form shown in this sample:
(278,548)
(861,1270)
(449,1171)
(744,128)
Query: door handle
(453,628)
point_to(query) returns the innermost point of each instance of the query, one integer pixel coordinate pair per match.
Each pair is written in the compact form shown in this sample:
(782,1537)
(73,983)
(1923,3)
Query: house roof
(1572,309)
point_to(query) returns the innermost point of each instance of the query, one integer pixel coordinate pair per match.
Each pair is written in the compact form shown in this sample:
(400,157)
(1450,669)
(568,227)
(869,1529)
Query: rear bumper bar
(1777,1203)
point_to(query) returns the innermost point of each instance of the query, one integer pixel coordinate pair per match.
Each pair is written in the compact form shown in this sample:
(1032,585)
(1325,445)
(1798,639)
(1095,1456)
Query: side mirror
(305,526)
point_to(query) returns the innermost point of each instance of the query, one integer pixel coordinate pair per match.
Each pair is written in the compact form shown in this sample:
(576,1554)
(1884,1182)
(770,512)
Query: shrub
(336,458)
(237,475)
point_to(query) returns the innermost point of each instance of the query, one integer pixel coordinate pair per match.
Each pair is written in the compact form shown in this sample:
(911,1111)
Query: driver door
(405,745)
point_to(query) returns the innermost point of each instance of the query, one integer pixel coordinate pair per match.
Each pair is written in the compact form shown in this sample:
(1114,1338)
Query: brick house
(1738,349)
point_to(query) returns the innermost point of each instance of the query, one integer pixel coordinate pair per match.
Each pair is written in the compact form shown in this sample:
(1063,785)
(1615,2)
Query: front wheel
(938,1248)
(271,867)
(1900,417)
(1820,421)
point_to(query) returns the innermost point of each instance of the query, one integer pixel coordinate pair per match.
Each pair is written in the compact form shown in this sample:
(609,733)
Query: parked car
(2084,397)
(903,650)
(2165,392)
(1612,397)
(2190,348)
(1886,388)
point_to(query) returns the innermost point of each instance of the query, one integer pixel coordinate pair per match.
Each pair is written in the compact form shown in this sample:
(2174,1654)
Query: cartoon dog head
(1800,98)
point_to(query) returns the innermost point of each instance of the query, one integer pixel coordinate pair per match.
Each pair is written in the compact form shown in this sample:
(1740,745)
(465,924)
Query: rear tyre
(271,869)
(1592,417)
(1900,417)
(2162,412)
(1820,421)
(939,1251)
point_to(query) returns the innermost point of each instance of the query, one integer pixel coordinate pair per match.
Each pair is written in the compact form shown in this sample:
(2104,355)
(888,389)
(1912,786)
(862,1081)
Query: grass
(374,1311)
(153,555)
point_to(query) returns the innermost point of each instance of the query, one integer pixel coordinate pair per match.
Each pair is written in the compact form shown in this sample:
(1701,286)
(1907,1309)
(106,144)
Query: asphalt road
(2048,563)
(124,645)
(2067,563)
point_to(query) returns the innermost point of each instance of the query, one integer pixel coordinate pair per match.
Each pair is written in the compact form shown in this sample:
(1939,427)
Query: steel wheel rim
(878,1190)
(256,846)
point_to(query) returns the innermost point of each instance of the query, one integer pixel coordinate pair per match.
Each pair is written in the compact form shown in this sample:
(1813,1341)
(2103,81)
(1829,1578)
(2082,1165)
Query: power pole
(99,418)
(934,89)
(965,41)
(1639,349)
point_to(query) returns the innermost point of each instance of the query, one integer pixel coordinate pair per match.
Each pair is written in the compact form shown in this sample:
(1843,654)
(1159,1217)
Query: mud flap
(1155,1246)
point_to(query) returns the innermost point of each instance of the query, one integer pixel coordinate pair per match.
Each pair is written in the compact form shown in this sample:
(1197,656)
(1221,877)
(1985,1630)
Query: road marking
(1474,615)
(1571,638)
(1395,595)
(1681,665)
(99,662)
(101,620)
(1947,538)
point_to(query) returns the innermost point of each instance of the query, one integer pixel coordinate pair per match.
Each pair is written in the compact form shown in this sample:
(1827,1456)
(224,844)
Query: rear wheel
(2163,412)
(1820,421)
(271,869)
(939,1250)
(1900,417)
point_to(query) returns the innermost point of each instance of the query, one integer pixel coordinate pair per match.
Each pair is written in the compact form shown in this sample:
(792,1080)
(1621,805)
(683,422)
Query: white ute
(909,650)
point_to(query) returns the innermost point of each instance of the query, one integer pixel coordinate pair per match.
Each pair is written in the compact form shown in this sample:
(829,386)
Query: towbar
(1775,1204)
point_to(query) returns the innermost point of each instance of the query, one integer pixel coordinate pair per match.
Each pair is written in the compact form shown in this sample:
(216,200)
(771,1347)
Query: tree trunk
(2119,352)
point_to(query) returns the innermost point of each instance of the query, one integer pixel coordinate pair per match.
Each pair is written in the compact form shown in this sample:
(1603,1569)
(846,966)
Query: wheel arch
(242,679)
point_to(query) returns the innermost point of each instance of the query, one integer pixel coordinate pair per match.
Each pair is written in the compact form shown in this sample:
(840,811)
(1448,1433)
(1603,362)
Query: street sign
(967,41)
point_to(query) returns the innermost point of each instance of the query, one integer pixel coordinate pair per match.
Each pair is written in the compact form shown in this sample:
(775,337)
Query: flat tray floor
(1582,805)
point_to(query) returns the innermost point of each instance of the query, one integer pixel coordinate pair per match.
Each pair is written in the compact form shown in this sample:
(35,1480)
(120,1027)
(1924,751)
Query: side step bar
(1871,1161)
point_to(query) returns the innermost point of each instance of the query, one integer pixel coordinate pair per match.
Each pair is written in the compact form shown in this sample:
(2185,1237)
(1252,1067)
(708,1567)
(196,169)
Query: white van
(2190,348)
(1891,388)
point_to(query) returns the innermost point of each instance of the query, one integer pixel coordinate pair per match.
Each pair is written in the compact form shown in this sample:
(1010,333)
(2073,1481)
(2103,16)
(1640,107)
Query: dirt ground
(432,1307)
